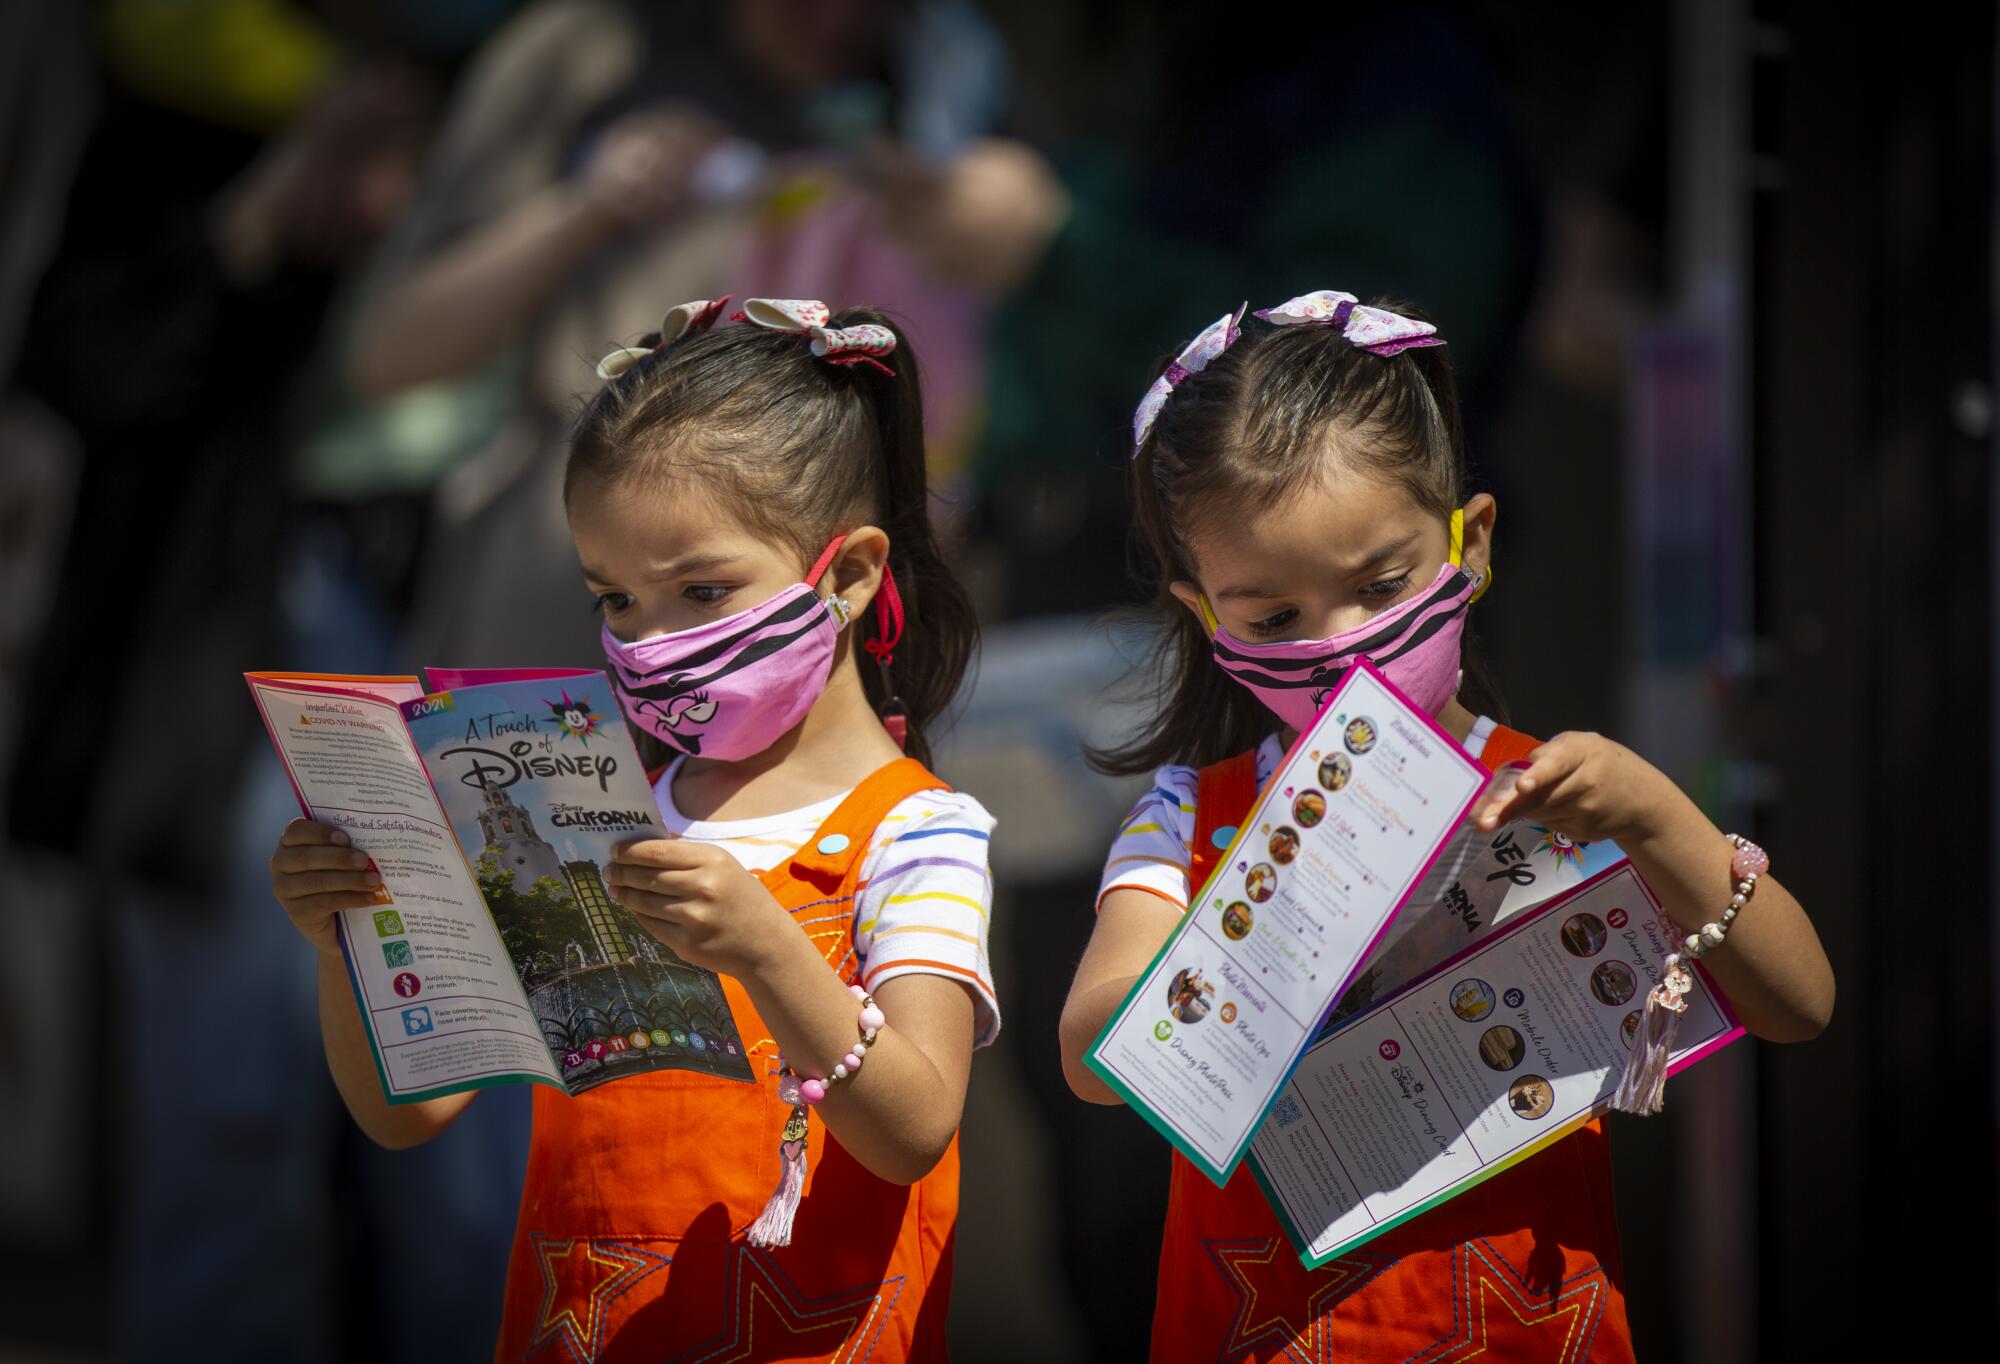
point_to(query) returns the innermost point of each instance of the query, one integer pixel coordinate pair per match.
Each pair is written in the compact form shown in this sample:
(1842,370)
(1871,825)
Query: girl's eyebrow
(1373,560)
(691,563)
(1385,553)
(671,568)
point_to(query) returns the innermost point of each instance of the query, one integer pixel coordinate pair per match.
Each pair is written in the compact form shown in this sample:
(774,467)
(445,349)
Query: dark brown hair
(1255,426)
(803,450)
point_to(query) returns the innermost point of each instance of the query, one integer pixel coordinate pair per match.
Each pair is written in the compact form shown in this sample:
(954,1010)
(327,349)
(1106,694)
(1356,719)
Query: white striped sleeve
(926,899)
(1150,852)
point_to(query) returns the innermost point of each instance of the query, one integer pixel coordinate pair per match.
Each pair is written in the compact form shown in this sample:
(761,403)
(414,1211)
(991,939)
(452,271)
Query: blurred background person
(243,161)
(602,160)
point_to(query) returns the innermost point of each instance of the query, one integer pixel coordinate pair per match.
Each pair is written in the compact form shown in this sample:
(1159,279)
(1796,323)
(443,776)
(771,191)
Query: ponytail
(940,632)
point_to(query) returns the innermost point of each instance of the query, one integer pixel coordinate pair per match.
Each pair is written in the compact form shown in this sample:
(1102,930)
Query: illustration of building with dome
(513,844)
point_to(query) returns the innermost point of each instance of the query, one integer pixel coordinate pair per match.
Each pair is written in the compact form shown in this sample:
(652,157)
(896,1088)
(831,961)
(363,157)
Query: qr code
(1286,1111)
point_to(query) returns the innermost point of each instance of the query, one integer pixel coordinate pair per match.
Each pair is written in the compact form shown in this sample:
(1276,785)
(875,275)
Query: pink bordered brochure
(1368,808)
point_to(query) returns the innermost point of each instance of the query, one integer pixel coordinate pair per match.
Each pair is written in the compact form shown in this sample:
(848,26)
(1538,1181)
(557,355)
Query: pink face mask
(731,688)
(1415,645)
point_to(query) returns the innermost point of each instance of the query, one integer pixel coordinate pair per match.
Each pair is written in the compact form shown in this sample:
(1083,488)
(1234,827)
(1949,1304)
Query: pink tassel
(1642,1088)
(773,1226)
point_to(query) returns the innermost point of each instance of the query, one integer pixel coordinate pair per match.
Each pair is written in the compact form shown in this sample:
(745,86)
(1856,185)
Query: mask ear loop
(1208,615)
(889,620)
(1458,553)
(888,634)
(824,562)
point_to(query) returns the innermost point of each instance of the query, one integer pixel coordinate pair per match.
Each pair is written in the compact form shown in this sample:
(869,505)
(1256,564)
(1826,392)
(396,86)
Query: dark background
(1723,277)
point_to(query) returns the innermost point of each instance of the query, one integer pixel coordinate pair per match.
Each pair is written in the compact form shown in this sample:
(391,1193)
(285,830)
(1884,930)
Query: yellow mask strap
(1208,616)
(1458,552)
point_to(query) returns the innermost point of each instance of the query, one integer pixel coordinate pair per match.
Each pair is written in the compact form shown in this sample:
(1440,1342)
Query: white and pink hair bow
(696,316)
(807,317)
(1376,330)
(863,344)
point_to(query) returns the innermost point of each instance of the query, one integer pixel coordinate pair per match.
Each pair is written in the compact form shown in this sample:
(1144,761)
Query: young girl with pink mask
(1300,486)
(750,509)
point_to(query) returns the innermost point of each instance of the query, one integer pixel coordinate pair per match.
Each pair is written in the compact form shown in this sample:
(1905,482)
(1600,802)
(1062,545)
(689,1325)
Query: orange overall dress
(630,1240)
(1522,1267)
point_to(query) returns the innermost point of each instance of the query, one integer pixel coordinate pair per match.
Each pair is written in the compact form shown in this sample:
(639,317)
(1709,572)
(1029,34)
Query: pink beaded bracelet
(1748,863)
(794,1089)
(1640,1089)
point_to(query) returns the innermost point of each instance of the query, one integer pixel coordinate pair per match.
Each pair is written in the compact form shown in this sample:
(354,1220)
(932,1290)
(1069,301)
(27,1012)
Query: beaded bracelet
(1748,863)
(1640,1089)
(794,1089)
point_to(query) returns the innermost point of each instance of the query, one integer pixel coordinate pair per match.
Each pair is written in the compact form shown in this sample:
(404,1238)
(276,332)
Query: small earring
(840,609)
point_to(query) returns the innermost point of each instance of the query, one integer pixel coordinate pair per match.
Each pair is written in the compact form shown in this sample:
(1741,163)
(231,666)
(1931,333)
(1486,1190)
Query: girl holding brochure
(750,509)
(1301,488)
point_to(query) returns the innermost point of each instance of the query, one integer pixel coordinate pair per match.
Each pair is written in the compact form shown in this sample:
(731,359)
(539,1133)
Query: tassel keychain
(1642,1088)
(773,1226)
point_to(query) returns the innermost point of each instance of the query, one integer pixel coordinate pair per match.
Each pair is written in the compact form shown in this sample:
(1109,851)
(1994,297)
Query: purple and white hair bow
(1376,330)
(1215,338)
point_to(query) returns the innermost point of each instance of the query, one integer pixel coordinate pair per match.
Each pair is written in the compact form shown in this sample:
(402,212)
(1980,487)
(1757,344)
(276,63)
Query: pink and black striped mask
(1414,644)
(734,686)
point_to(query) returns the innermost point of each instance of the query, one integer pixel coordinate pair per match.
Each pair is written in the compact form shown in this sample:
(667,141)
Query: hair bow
(1214,339)
(1376,330)
(863,344)
(697,316)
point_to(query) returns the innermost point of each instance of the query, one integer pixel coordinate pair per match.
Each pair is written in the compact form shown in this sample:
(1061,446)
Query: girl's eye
(1272,625)
(611,603)
(705,594)
(1387,589)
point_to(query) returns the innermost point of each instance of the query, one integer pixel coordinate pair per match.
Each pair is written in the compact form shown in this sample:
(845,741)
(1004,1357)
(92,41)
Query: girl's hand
(317,872)
(698,900)
(1588,788)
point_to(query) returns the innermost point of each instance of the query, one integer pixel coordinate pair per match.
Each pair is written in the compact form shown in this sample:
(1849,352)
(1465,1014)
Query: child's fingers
(328,903)
(691,883)
(300,885)
(1548,765)
(301,832)
(650,906)
(666,854)
(1506,810)
(294,858)
(674,935)
(1511,806)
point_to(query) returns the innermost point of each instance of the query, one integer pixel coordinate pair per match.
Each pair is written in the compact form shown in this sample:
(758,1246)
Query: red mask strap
(888,620)
(825,558)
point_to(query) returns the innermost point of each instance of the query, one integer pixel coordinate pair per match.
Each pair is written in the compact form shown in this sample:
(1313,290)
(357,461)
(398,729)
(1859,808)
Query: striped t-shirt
(1151,853)
(924,897)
